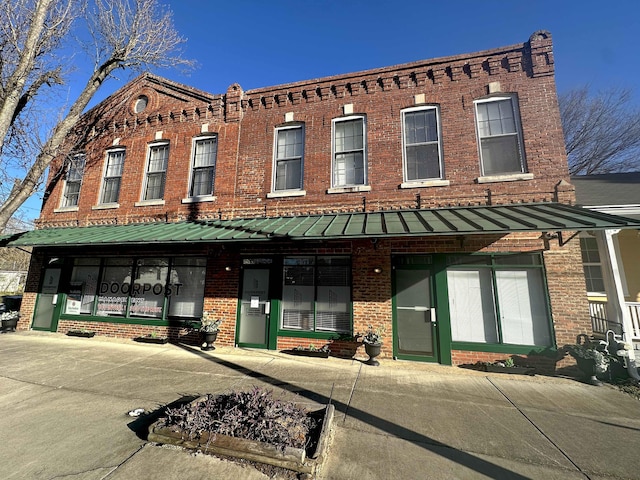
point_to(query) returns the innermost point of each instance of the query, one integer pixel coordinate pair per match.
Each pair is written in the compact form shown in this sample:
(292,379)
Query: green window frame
(498,299)
(316,294)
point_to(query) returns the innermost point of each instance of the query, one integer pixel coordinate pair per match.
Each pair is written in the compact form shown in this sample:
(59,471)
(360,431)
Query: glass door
(47,304)
(415,321)
(255,308)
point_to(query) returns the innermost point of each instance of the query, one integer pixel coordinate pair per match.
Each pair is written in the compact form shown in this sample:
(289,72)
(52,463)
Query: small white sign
(73,307)
(255,301)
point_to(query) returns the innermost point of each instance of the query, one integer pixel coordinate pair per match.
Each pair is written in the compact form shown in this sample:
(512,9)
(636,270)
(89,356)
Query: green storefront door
(254,309)
(414,315)
(47,308)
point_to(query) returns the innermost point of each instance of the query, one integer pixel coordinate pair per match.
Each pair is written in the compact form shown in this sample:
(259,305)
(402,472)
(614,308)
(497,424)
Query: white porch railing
(634,313)
(600,323)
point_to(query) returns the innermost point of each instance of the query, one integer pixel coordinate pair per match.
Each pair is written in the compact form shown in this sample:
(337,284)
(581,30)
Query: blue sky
(258,43)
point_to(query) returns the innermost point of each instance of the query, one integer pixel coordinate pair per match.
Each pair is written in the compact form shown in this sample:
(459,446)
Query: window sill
(105,206)
(426,183)
(201,198)
(287,193)
(350,189)
(148,203)
(512,177)
(65,209)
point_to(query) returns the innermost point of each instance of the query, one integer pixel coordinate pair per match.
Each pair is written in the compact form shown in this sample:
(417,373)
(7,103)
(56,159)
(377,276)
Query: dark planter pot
(373,350)
(78,333)
(156,340)
(9,325)
(208,338)
(308,353)
(588,367)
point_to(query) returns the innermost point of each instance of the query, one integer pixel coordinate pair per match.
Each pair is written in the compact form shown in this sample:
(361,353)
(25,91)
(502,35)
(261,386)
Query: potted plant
(505,366)
(591,359)
(209,331)
(9,321)
(372,340)
(80,333)
(310,351)
(152,337)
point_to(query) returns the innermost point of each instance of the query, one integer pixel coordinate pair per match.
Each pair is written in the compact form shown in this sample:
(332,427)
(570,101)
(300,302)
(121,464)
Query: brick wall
(245,123)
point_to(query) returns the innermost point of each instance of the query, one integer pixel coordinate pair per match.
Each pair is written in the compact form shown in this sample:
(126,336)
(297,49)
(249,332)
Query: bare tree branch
(127,34)
(602,131)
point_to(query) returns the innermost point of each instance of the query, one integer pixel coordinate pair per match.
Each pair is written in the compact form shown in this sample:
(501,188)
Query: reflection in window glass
(186,287)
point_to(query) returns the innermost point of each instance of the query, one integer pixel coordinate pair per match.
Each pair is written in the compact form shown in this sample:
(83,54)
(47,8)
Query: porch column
(616,307)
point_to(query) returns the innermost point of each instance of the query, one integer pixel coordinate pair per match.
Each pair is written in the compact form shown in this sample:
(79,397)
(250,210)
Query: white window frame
(276,160)
(193,169)
(76,180)
(600,265)
(405,170)
(106,177)
(334,153)
(515,109)
(148,173)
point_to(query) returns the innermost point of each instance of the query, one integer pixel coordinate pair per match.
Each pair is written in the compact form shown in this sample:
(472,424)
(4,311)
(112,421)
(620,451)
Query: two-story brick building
(431,199)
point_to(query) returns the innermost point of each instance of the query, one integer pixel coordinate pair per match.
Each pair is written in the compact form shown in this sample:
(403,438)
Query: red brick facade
(245,121)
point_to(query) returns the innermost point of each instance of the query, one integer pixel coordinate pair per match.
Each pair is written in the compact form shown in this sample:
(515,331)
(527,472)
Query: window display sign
(74,299)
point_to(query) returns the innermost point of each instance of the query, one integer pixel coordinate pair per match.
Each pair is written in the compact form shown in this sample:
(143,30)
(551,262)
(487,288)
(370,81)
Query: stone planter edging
(291,459)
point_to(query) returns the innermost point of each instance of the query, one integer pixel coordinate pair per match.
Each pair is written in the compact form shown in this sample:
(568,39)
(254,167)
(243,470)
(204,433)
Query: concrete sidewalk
(65,401)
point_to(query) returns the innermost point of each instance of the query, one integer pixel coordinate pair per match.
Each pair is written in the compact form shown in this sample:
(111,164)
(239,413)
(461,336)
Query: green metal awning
(499,219)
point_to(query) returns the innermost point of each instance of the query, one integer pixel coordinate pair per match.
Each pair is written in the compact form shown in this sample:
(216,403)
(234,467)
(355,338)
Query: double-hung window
(592,265)
(499,136)
(422,149)
(112,176)
(316,294)
(499,299)
(288,158)
(349,152)
(156,171)
(73,181)
(205,151)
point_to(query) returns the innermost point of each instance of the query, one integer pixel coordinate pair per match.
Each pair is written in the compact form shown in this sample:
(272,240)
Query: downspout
(616,297)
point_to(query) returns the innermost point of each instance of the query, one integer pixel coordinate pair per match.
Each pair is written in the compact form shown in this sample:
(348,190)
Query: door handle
(267,307)
(433,315)
(54,299)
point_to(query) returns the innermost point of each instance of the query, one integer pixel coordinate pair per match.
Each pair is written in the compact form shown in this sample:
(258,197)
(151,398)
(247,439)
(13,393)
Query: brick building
(430,200)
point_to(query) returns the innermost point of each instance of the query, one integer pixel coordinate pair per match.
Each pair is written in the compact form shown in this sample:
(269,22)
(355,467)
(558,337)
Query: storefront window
(83,286)
(115,287)
(316,294)
(186,298)
(146,287)
(502,303)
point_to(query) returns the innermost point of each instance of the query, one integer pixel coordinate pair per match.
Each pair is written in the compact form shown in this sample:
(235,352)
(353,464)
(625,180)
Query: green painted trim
(442,309)
(121,320)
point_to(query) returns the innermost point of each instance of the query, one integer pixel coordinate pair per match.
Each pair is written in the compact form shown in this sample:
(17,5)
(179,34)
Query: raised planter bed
(295,459)
(157,340)
(80,333)
(304,352)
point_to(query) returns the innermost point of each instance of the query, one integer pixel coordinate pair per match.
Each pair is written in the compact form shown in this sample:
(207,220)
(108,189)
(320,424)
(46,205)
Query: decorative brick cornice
(534,57)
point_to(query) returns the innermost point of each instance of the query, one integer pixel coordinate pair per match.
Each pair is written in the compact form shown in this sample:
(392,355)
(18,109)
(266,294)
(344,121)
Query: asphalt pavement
(65,404)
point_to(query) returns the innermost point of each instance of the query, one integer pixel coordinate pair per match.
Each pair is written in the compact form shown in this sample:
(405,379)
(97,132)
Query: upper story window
(205,151)
(288,158)
(349,152)
(156,171)
(422,149)
(112,176)
(73,181)
(499,136)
